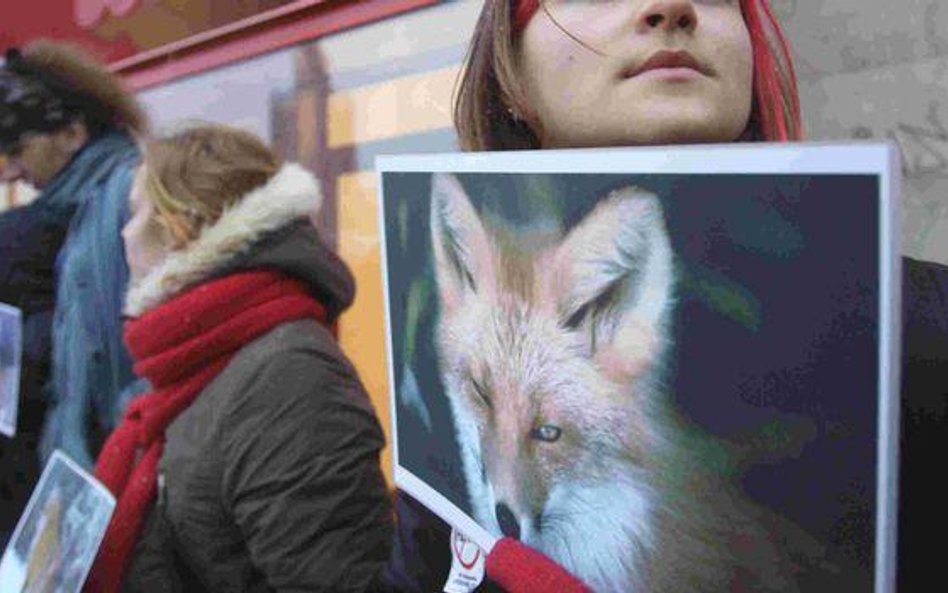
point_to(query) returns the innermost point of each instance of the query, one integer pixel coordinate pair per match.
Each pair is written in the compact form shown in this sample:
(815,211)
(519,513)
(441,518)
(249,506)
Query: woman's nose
(668,15)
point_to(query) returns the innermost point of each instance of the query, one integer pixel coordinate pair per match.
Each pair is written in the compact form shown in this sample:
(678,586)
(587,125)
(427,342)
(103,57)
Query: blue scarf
(94,161)
(91,368)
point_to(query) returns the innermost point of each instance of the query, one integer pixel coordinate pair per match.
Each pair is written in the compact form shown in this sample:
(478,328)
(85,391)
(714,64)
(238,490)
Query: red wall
(153,41)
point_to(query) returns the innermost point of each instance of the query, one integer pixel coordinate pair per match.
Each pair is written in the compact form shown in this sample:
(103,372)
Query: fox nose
(507,521)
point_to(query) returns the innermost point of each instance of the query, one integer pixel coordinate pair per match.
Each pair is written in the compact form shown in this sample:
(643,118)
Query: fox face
(550,356)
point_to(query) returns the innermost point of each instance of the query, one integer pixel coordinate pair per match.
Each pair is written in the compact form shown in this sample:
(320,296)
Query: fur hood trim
(293,193)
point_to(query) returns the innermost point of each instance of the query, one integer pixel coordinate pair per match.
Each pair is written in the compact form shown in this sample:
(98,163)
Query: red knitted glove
(520,569)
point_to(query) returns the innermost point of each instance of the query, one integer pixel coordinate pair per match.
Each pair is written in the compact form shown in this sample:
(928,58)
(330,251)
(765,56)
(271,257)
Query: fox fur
(551,358)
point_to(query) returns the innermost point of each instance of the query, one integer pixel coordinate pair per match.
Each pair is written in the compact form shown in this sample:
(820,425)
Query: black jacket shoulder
(924,422)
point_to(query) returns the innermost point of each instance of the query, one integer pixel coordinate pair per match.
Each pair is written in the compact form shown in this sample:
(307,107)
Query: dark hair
(491,110)
(51,84)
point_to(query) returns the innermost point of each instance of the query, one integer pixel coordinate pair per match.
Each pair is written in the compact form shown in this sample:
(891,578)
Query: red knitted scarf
(180,347)
(520,569)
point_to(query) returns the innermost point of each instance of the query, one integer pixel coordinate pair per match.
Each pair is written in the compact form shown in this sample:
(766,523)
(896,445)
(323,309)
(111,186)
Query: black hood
(297,251)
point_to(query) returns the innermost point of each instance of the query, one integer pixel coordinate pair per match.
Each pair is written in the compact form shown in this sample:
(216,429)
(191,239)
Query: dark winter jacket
(270,480)
(30,238)
(924,424)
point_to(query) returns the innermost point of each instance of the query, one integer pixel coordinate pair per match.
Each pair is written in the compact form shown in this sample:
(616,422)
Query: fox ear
(462,253)
(614,270)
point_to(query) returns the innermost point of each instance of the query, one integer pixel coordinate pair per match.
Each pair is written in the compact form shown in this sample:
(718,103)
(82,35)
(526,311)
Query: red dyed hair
(776,102)
(524,12)
(776,107)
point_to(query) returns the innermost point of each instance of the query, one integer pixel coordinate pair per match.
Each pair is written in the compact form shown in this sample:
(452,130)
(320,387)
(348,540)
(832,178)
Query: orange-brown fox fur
(551,359)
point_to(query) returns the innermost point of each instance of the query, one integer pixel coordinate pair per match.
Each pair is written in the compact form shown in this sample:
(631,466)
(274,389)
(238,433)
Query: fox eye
(546,433)
(481,392)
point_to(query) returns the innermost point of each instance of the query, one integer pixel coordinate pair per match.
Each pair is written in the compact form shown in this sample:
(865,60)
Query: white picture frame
(11,356)
(833,230)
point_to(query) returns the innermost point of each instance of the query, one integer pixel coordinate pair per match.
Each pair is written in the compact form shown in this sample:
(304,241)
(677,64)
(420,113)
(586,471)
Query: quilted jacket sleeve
(302,477)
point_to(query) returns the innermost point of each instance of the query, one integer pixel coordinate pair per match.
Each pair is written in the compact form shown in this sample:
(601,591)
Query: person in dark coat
(253,464)
(66,127)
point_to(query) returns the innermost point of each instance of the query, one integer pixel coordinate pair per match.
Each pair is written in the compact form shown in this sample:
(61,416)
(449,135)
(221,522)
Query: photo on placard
(56,539)
(663,370)
(11,349)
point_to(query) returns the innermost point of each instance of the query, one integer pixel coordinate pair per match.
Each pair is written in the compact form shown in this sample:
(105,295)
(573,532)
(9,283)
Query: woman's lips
(668,65)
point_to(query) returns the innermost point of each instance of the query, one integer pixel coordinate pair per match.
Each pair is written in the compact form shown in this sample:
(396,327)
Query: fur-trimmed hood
(268,228)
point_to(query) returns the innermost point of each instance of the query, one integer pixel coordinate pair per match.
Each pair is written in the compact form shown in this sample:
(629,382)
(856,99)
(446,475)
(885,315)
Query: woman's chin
(657,123)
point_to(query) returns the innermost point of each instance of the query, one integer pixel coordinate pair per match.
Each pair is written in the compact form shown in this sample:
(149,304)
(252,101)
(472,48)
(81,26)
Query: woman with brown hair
(568,74)
(67,127)
(253,464)
(546,74)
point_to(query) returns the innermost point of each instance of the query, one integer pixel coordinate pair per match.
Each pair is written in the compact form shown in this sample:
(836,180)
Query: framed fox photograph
(11,354)
(668,369)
